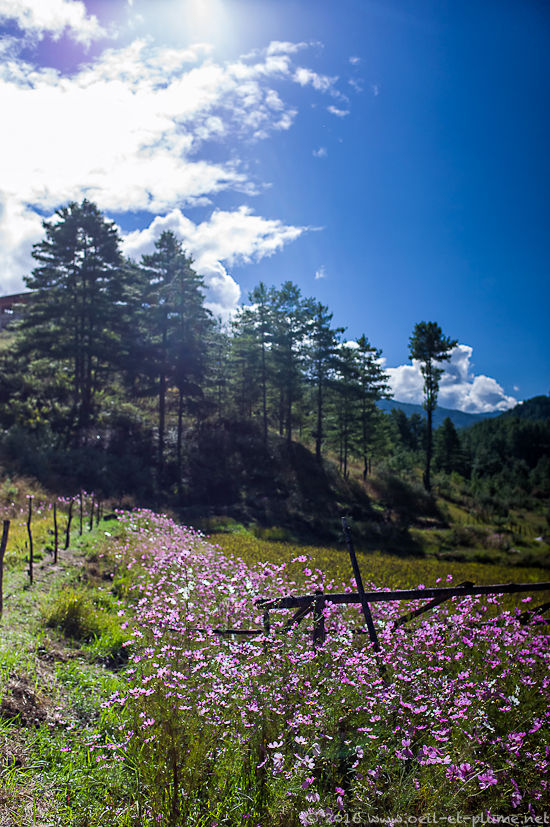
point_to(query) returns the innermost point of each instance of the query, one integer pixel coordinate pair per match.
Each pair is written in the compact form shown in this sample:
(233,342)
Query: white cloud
(305,77)
(20,228)
(354,60)
(459,388)
(321,273)
(340,113)
(321,152)
(375,89)
(53,16)
(127,131)
(226,238)
(355,85)
(277,47)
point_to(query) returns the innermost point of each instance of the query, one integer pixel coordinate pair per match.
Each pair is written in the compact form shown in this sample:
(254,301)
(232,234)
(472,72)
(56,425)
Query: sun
(211,21)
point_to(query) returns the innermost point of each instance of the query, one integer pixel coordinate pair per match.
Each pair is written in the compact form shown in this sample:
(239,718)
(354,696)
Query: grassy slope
(61,651)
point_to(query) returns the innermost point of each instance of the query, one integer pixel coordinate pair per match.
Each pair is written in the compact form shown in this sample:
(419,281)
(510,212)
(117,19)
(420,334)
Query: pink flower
(487,779)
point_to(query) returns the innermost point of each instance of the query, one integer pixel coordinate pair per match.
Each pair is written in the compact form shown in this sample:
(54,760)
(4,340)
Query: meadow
(138,713)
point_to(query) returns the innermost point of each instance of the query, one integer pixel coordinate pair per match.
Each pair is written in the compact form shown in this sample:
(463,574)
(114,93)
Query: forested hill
(536,408)
(460,419)
(511,452)
(116,378)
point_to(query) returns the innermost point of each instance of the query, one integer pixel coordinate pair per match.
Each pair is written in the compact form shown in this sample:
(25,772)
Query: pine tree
(430,347)
(176,326)
(447,448)
(345,396)
(76,313)
(374,386)
(289,326)
(322,351)
(250,352)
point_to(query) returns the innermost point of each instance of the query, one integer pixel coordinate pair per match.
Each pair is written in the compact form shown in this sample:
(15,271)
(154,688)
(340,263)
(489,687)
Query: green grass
(62,643)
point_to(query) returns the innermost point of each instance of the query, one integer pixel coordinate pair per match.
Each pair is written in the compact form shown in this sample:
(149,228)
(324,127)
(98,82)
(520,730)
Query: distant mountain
(458,418)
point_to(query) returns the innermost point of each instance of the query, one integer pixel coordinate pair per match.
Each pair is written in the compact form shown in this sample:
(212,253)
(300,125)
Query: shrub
(72,612)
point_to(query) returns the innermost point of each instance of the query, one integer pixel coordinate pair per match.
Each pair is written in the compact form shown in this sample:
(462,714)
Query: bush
(77,615)
(72,612)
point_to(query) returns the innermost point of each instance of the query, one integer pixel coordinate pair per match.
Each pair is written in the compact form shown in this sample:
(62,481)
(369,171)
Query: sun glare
(208,20)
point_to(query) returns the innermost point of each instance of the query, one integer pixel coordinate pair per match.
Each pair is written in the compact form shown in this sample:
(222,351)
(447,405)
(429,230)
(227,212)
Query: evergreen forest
(118,379)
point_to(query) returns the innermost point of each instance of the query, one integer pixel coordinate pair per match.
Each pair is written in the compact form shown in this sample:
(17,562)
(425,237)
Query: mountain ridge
(460,419)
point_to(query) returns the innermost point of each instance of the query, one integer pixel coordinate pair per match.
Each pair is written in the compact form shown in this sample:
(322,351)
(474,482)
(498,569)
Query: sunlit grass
(382,570)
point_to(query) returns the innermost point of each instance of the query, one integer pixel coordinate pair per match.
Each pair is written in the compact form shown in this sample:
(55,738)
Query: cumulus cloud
(459,388)
(305,77)
(321,273)
(321,152)
(129,131)
(38,17)
(225,238)
(20,228)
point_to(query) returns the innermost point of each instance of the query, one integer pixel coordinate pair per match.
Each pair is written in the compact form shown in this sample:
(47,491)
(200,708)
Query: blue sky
(391,158)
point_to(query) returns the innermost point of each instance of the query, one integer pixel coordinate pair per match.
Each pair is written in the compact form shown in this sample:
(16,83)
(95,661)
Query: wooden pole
(319,633)
(68,531)
(3,544)
(80,499)
(31,550)
(364,603)
(55,534)
(91,520)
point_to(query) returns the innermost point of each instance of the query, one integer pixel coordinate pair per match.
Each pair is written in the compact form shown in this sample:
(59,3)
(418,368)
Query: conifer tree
(323,343)
(374,386)
(289,325)
(447,448)
(76,312)
(430,347)
(176,326)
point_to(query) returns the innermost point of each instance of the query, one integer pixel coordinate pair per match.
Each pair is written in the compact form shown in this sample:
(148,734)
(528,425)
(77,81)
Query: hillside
(536,408)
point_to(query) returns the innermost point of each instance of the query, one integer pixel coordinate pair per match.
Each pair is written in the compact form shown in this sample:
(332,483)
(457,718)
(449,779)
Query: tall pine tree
(76,312)
(428,345)
(175,325)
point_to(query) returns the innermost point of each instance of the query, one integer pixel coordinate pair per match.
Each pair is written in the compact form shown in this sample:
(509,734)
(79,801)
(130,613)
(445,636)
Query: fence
(315,603)
(95,512)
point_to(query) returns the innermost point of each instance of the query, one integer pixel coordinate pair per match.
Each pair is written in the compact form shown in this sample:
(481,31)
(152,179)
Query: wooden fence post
(3,544)
(31,549)
(91,520)
(319,633)
(68,531)
(55,534)
(80,499)
(364,603)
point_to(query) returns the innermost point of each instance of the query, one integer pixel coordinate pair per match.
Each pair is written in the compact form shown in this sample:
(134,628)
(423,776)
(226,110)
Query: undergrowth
(126,709)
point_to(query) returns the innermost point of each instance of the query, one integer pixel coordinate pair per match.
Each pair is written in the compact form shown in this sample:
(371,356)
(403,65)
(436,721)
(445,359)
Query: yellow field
(380,570)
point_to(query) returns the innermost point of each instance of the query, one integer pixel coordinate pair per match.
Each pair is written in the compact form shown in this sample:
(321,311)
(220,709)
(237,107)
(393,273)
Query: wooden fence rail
(304,604)
(380,596)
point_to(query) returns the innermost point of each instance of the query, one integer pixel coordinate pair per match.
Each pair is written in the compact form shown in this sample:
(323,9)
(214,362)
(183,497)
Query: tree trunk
(179,442)
(427,480)
(319,434)
(264,394)
(162,408)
